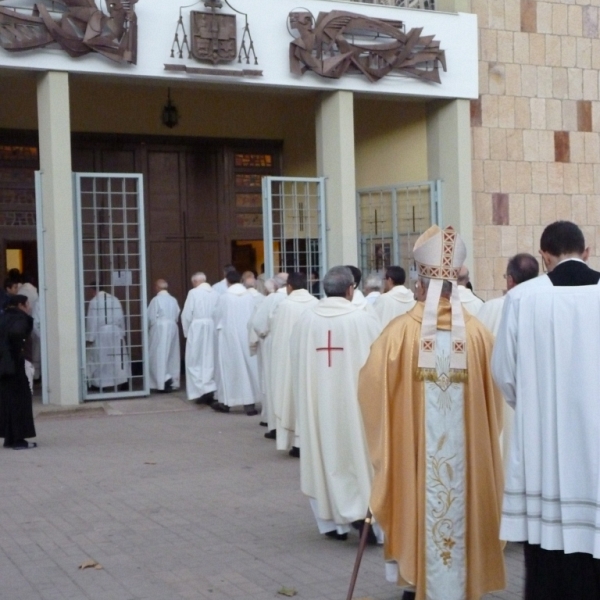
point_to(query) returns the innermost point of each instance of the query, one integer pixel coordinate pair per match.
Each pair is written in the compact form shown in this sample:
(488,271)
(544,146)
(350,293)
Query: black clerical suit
(552,574)
(16,412)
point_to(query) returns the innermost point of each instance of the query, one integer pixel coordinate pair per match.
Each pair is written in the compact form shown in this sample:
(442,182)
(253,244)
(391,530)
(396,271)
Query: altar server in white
(468,299)
(520,268)
(199,329)
(329,345)
(397,299)
(285,316)
(108,363)
(546,361)
(164,360)
(237,375)
(260,324)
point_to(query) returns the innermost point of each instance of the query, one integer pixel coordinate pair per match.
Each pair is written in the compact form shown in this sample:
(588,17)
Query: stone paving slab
(175,502)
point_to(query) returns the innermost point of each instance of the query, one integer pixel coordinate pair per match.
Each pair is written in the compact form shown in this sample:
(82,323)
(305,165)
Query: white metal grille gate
(294,227)
(390,220)
(112,285)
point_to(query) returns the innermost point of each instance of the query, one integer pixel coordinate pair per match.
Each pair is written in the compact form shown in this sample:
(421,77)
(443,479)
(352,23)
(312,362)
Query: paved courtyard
(174,502)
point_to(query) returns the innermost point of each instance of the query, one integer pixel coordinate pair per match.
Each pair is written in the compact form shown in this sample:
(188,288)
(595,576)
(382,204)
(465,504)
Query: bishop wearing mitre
(432,415)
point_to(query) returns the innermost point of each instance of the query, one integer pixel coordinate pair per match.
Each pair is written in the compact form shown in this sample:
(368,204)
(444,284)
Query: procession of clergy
(388,400)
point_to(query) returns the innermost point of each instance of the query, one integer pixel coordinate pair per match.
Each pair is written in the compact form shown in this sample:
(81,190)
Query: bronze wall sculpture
(77,26)
(340,43)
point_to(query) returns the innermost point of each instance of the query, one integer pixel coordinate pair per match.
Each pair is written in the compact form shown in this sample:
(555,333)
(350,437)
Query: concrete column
(335,160)
(59,238)
(449,159)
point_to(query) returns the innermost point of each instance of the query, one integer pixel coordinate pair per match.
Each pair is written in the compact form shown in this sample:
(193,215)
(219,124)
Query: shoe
(222,408)
(252,413)
(371,537)
(271,435)
(263,424)
(342,537)
(24,445)
(294,452)
(408,596)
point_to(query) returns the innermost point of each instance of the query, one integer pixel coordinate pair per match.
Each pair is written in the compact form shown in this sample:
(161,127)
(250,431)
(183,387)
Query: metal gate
(390,219)
(112,285)
(294,227)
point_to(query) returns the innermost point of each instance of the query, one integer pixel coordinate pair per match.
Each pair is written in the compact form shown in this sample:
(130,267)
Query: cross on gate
(329,348)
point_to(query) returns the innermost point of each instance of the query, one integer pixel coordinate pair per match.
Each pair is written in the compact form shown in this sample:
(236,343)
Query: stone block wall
(535,129)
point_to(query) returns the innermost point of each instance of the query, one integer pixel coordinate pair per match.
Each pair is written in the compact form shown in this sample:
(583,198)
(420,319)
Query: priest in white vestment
(432,415)
(260,323)
(373,285)
(469,300)
(199,330)
(237,374)
(108,363)
(358,298)
(547,363)
(397,299)
(283,319)
(520,268)
(329,345)
(249,282)
(163,348)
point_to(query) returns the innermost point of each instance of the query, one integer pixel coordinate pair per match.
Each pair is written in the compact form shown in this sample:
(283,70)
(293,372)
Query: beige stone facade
(535,129)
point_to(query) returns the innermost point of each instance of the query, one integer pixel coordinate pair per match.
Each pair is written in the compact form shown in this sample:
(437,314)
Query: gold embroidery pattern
(442,483)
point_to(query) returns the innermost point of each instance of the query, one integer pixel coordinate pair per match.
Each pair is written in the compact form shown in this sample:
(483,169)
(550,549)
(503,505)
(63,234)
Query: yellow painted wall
(103,106)
(391,142)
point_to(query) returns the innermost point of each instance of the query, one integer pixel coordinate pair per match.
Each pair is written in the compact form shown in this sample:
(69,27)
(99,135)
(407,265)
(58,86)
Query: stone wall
(535,129)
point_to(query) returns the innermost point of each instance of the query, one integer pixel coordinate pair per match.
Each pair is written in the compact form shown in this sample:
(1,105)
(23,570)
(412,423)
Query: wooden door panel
(83,160)
(118,161)
(202,204)
(165,263)
(203,255)
(164,194)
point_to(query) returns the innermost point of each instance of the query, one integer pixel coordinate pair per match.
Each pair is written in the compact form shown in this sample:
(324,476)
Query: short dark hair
(233,277)
(15,275)
(562,237)
(523,267)
(228,268)
(297,280)
(396,274)
(17,300)
(356,274)
(8,282)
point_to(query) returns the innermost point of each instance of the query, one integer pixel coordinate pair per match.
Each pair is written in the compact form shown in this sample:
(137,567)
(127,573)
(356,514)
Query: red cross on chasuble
(329,348)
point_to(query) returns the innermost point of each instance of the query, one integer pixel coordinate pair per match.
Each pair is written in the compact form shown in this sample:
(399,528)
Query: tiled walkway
(174,501)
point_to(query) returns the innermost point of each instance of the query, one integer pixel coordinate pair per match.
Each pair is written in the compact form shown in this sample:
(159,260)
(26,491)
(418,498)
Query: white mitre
(439,254)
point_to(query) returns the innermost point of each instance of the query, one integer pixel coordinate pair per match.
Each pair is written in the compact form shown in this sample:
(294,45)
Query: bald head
(160,285)
(282,277)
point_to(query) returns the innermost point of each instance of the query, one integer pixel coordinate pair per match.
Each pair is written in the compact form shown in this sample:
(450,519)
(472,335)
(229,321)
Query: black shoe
(222,408)
(168,385)
(371,537)
(342,537)
(295,452)
(409,596)
(24,445)
(206,399)
(252,413)
(271,435)
(263,424)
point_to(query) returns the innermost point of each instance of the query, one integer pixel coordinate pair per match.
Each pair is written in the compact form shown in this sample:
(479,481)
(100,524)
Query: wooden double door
(202,198)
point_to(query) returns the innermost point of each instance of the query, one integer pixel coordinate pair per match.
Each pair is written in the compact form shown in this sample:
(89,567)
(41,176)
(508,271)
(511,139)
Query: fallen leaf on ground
(149,463)
(90,564)
(284,591)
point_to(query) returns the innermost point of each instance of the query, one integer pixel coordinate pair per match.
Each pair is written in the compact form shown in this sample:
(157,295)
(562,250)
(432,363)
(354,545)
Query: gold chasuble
(417,486)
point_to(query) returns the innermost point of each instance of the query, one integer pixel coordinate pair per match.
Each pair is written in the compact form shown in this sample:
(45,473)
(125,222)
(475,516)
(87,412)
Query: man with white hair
(329,345)
(397,299)
(432,415)
(372,288)
(199,329)
(469,300)
(165,364)
(260,324)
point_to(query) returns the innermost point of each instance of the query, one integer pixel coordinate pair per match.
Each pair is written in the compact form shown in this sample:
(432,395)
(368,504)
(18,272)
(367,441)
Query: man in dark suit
(547,363)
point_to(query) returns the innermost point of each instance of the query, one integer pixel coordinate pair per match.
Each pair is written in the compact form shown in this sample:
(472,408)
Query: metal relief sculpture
(213,38)
(339,43)
(76,26)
